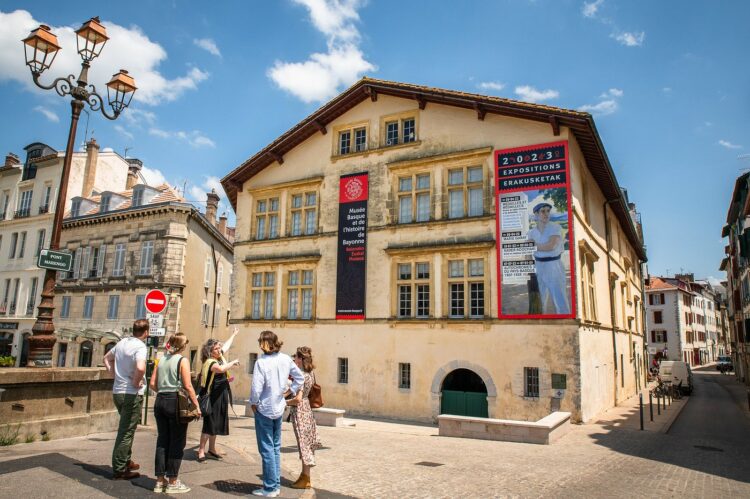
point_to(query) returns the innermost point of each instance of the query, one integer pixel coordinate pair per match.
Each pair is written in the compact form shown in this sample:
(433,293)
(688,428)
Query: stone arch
(441,373)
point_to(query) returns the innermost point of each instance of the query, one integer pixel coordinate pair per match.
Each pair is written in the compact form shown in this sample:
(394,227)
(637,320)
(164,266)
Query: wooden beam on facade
(372,93)
(320,126)
(555,125)
(481,111)
(278,157)
(237,185)
(421,100)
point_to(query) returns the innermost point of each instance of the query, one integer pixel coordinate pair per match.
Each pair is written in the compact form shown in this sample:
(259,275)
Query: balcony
(44,209)
(22,213)
(12,309)
(3,308)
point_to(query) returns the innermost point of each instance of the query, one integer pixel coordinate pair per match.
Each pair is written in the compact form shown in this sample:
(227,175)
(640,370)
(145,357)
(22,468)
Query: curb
(673,417)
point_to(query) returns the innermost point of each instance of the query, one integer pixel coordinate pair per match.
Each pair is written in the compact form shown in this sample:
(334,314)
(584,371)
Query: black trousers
(170,442)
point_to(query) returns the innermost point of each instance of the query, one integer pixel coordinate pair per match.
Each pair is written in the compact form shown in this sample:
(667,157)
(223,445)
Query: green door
(464,403)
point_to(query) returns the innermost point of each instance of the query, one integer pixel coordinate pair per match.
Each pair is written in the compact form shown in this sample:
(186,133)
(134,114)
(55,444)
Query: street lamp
(40,48)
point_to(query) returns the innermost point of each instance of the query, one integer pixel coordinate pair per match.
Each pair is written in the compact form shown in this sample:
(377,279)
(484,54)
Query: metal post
(658,404)
(651,406)
(148,374)
(640,401)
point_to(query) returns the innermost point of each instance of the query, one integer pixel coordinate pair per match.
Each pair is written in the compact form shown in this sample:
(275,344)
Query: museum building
(442,252)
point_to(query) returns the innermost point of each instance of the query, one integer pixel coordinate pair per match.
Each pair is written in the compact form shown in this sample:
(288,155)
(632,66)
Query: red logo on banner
(353,189)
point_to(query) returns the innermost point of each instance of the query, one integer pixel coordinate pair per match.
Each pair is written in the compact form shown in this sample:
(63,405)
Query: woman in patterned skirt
(303,420)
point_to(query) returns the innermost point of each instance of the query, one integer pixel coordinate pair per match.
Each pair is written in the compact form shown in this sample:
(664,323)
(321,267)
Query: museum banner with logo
(351,265)
(535,257)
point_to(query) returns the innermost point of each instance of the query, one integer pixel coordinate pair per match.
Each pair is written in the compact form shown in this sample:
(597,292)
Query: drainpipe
(611,293)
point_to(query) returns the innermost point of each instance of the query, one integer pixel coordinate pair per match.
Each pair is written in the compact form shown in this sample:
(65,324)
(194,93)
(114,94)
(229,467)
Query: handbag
(186,410)
(315,397)
(204,399)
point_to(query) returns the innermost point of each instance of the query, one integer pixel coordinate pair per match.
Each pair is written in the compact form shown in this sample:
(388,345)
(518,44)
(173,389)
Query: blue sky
(667,82)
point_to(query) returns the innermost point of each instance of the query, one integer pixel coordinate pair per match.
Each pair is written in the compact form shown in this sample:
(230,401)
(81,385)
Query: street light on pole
(40,48)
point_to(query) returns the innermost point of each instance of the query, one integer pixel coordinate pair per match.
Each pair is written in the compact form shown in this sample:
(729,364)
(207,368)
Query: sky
(668,83)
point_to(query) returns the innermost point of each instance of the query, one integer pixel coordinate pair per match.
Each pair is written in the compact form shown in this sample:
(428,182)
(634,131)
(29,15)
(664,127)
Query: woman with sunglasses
(215,383)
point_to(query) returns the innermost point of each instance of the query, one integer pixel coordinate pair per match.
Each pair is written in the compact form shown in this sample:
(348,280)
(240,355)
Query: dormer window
(29,169)
(137,197)
(350,139)
(143,194)
(104,204)
(75,208)
(399,129)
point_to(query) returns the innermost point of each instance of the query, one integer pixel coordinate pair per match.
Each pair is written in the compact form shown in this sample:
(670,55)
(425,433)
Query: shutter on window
(77,263)
(653,337)
(100,264)
(650,299)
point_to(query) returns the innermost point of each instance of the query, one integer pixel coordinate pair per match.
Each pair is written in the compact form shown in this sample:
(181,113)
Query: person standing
(550,271)
(171,373)
(271,372)
(303,420)
(127,361)
(214,381)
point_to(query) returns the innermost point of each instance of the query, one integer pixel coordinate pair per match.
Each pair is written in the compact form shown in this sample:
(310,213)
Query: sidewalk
(81,467)
(627,414)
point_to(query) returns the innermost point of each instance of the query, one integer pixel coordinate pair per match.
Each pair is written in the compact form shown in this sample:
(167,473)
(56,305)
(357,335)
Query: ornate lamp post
(40,48)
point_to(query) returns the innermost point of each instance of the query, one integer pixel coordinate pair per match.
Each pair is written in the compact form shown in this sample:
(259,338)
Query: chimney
(12,160)
(223,224)
(212,204)
(89,173)
(134,168)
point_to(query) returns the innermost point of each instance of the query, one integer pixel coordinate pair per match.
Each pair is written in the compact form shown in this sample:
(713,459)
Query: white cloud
(667,90)
(153,176)
(127,48)
(729,145)
(590,9)
(615,92)
(491,85)
(50,115)
(197,193)
(195,138)
(121,130)
(601,108)
(208,45)
(708,123)
(630,39)
(323,74)
(531,94)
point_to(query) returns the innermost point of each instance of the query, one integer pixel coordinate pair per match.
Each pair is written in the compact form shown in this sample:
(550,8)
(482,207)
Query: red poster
(535,249)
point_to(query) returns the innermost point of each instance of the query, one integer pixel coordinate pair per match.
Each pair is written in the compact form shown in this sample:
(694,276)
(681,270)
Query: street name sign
(156,301)
(55,260)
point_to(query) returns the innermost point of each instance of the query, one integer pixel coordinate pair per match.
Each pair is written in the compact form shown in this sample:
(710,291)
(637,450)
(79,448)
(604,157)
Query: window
(345,142)
(75,269)
(104,203)
(360,139)
(466,288)
(217,315)
(588,290)
(262,295)
(207,273)
(24,204)
(29,168)
(658,336)
(147,258)
(114,307)
(204,314)
(404,375)
(22,245)
(343,371)
(304,214)
(85,354)
(5,203)
(140,307)
(62,353)
(531,382)
(119,268)
(13,244)
(32,296)
(656,299)
(14,300)
(65,307)
(657,317)
(414,198)
(413,289)
(75,208)
(252,359)
(465,192)
(407,127)
(6,295)
(88,307)
(46,199)
(350,138)
(267,218)
(41,235)
(299,294)
(137,199)
(219,278)
(96,261)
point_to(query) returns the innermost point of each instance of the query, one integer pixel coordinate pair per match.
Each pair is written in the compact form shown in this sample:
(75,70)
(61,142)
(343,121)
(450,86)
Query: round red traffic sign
(156,301)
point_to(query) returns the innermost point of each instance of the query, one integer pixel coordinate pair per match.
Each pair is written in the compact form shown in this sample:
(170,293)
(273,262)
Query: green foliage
(9,435)
(30,438)
(45,436)
(559,198)
(7,361)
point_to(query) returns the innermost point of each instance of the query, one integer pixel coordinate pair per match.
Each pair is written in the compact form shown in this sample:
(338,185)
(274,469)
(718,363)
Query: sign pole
(148,362)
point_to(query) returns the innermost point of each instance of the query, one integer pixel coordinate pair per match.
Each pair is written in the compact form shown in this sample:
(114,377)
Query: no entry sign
(156,301)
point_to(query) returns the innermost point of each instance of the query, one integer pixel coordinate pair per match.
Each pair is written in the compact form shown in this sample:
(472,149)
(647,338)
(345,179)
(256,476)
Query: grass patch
(9,435)
(30,438)
(45,436)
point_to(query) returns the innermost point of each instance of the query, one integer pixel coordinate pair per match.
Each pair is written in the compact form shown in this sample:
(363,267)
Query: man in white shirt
(127,361)
(270,375)
(550,272)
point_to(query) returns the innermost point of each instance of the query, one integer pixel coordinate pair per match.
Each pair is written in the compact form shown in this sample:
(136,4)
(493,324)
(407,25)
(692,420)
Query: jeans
(129,408)
(268,434)
(171,436)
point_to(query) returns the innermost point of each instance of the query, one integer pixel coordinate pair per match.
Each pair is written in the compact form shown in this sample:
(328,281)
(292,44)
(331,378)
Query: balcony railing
(12,309)
(3,308)
(44,209)
(30,309)
(23,213)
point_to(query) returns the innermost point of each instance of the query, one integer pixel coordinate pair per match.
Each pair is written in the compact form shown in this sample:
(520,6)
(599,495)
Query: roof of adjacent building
(166,194)
(581,125)
(657,283)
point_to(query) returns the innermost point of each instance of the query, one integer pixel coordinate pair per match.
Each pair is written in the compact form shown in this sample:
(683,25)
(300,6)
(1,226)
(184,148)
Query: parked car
(676,372)
(724,364)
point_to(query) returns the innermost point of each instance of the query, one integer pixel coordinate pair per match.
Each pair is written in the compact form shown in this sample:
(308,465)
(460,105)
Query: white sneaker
(263,493)
(177,488)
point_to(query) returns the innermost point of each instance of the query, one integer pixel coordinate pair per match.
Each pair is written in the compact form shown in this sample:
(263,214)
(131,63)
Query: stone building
(127,242)
(28,196)
(393,232)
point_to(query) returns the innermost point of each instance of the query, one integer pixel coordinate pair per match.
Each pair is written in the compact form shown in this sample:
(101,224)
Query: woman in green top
(170,373)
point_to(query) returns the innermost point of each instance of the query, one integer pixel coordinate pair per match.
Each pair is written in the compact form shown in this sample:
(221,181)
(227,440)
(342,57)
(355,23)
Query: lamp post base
(43,339)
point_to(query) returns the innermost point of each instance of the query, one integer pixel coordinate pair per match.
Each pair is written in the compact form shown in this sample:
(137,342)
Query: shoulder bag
(187,412)
(204,399)
(315,397)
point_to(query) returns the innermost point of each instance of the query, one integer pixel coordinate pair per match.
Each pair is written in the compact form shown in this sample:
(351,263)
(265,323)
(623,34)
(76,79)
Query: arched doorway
(464,394)
(85,354)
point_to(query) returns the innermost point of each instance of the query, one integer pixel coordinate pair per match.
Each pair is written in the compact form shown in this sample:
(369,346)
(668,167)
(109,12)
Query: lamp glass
(92,37)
